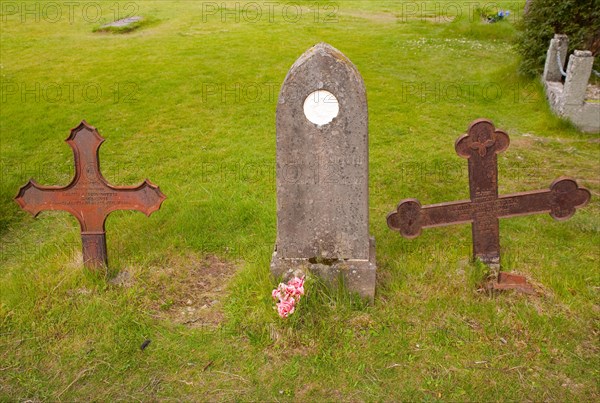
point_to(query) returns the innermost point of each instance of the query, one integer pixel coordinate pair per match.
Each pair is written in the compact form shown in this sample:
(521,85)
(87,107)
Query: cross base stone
(357,274)
(511,281)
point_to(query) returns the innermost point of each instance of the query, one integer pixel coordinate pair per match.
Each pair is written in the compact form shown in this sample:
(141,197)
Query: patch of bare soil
(191,290)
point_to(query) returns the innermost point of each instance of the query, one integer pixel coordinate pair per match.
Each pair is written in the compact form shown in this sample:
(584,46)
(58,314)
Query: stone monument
(570,99)
(323,173)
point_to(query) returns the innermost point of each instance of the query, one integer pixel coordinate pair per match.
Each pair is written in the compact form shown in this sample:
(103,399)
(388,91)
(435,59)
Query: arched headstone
(323,172)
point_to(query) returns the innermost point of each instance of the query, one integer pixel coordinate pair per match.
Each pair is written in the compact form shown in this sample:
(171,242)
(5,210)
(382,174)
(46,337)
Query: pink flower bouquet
(288,295)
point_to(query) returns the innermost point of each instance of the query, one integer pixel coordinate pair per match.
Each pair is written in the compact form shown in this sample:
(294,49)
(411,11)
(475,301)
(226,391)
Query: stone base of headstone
(357,275)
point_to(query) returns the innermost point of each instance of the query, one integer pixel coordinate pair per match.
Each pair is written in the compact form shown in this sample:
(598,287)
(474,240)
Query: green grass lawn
(188,101)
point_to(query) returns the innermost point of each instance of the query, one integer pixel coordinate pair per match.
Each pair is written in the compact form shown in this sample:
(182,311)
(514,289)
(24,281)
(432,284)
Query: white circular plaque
(320,107)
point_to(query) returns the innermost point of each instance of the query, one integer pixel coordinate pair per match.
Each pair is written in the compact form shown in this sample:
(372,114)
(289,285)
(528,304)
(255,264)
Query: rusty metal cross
(480,147)
(89,197)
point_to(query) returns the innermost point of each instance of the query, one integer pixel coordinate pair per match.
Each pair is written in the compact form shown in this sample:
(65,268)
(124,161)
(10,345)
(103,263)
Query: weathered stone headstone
(88,197)
(122,22)
(480,147)
(323,172)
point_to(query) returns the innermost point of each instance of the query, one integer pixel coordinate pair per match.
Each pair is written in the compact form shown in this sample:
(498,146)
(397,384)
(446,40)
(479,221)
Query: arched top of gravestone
(328,76)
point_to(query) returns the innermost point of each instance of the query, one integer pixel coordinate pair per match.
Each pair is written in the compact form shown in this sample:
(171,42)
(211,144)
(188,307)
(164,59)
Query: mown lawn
(188,101)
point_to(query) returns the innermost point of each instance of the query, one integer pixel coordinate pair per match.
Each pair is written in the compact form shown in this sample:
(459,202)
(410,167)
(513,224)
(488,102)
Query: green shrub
(579,19)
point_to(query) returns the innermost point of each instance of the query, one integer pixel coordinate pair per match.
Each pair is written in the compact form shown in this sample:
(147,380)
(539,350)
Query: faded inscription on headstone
(323,172)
